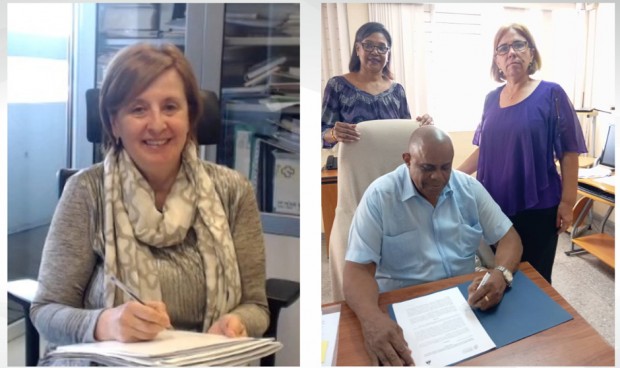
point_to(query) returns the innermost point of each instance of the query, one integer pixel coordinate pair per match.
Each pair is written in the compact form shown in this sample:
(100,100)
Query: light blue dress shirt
(412,242)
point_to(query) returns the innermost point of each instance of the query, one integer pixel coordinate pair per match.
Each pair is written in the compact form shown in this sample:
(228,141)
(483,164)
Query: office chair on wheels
(280,293)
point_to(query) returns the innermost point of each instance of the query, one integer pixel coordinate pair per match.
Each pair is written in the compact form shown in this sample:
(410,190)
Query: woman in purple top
(367,92)
(526,125)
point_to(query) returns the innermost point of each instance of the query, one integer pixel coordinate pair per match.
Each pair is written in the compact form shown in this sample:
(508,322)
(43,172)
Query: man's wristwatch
(506,273)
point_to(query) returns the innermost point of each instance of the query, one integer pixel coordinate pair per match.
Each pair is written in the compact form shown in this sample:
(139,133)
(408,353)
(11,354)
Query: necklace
(512,95)
(517,92)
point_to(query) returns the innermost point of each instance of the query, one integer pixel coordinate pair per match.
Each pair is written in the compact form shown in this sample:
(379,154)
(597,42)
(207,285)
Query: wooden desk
(329,199)
(571,343)
(600,245)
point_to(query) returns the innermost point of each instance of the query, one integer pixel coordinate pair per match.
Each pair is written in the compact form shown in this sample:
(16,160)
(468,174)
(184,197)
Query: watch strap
(506,274)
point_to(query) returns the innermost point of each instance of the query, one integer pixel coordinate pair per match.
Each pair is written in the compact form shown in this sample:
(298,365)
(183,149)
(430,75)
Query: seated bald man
(420,223)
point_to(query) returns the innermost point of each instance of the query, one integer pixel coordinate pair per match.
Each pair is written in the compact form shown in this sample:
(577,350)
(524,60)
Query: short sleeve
(478,132)
(404,112)
(495,224)
(366,231)
(568,136)
(330,113)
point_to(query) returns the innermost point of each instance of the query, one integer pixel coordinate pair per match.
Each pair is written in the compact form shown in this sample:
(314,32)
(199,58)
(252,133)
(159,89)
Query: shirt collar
(408,190)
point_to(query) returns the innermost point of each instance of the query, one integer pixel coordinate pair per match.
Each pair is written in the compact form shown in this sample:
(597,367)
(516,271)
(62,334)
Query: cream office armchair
(378,152)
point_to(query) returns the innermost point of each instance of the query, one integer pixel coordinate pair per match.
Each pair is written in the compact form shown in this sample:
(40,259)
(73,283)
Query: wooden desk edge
(387,298)
(602,186)
(329,176)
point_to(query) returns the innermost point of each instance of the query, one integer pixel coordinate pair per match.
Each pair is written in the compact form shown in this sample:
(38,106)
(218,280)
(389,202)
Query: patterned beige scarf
(132,224)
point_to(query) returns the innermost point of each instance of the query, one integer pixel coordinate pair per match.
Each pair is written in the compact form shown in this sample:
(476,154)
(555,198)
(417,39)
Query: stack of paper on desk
(173,348)
(441,328)
(597,171)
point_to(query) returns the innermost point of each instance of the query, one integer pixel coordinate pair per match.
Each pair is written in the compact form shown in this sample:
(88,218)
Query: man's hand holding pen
(488,294)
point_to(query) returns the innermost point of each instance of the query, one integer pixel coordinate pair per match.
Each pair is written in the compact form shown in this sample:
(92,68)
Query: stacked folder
(173,348)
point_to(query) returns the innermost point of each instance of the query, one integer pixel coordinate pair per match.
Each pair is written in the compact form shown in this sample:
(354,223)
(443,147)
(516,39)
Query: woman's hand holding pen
(132,321)
(488,294)
(229,325)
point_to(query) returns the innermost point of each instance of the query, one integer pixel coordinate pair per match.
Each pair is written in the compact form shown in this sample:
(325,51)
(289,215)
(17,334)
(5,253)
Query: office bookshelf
(249,55)
(259,94)
(124,24)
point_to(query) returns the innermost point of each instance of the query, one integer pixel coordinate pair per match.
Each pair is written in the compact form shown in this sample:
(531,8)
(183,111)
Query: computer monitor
(608,156)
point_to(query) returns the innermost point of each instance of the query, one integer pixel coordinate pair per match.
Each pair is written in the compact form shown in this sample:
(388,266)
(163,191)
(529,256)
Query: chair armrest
(280,294)
(22,292)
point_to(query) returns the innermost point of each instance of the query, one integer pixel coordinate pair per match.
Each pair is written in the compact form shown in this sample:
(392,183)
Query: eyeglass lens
(368,47)
(518,46)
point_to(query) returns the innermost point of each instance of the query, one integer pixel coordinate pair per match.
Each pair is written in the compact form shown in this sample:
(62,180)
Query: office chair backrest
(378,152)
(208,124)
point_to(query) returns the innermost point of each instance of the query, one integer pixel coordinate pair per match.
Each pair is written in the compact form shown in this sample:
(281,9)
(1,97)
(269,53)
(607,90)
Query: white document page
(167,343)
(609,180)
(597,171)
(329,333)
(441,328)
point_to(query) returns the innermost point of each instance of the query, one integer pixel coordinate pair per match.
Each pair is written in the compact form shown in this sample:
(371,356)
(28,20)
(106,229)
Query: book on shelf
(264,66)
(260,77)
(271,106)
(255,22)
(276,103)
(233,15)
(291,25)
(263,167)
(244,140)
(290,124)
(173,348)
(259,90)
(116,17)
(288,140)
(131,33)
(287,75)
(294,70)
(285,197)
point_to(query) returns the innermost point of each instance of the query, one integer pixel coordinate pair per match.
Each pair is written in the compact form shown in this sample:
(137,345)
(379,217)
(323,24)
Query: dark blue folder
(524,311)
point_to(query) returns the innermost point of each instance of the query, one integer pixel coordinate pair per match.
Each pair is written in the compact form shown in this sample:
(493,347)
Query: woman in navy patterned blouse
(367,92)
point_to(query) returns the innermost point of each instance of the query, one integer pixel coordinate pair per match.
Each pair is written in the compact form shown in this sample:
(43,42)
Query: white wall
(36,150)
(283,262)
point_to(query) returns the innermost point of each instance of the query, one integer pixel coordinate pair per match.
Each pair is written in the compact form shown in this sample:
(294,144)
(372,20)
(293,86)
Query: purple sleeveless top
(518,145)
(344,102)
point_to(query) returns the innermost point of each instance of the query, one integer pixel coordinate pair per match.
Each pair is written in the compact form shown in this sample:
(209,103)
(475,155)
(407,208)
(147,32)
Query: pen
(126,289)
(484,280)
(132,294)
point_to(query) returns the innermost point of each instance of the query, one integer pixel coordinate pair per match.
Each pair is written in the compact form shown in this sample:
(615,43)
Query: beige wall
(462,149)
(461,141)
(357,14)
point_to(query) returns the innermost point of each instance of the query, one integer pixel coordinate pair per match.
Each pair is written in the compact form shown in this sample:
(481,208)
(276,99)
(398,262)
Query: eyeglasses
(368,47)
(518,46)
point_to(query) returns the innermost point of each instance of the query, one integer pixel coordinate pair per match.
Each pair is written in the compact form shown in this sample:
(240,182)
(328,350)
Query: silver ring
(486,297)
